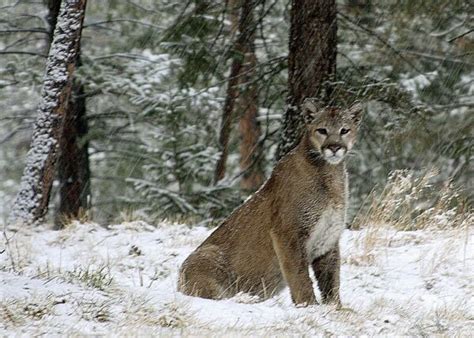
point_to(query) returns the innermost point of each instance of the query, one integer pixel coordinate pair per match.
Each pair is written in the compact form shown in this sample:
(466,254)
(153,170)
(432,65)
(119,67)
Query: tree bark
(247,105)
(73,160)
(73,168)
(311,63)
(244,44)
(226,120)
(31,204)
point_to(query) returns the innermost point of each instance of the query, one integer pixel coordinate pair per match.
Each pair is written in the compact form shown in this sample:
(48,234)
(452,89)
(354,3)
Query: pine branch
(381,39)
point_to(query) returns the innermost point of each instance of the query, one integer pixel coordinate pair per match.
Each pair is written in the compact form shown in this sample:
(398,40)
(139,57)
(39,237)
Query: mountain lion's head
(332,131)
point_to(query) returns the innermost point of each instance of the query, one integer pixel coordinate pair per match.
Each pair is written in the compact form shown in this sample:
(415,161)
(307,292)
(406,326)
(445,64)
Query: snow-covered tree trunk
(311,62)
(31,204)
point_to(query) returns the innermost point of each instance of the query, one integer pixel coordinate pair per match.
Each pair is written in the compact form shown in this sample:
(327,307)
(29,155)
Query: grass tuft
(411,202)
(21,311)
(98,278)
(174,315)
(95,311)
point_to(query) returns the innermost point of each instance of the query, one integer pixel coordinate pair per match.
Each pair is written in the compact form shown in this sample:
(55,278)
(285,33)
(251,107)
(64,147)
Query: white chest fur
(325,234)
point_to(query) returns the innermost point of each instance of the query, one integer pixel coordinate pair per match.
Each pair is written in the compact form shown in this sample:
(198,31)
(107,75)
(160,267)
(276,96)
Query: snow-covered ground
(122,281)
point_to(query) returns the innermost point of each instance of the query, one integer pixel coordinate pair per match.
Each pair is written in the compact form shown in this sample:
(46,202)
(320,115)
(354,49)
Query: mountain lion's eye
(322,131)
(344,131)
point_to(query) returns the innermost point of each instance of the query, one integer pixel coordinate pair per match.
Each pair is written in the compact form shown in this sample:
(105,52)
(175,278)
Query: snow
(88,279)
(418,82)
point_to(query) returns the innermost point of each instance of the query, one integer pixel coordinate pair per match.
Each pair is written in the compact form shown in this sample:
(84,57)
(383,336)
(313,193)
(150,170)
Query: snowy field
(122,281)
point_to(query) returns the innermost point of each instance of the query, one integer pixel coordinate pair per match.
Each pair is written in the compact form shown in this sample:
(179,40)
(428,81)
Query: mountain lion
(294,220)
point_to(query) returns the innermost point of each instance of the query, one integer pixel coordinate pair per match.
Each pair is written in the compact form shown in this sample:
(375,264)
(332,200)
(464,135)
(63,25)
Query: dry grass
(19,254)
(83,216)
(433,260)
(411,202)
(95,311)
(21,311)
(138,311)
(131,215)
(98,278)
(443,321)
(174,315)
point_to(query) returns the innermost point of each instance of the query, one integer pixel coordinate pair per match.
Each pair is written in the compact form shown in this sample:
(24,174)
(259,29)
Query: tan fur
(294,221)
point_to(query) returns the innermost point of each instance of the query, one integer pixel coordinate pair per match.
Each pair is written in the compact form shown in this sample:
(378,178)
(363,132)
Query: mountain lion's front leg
(327,269)
(294,267)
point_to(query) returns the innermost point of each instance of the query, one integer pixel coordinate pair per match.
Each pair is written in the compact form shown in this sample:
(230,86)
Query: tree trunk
(73,160)
(226,120)
(245,38)
(311,62)
(247,105)
(53,12)
(31,204)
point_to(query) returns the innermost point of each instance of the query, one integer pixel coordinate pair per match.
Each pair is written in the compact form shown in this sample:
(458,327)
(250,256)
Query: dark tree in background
(52,18)
(311,62)
(31,204)
(73,160)
(242,96)
(247,108)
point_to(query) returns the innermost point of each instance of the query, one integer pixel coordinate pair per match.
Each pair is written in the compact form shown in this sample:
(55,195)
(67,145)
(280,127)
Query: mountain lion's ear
(310,107)
(356,111)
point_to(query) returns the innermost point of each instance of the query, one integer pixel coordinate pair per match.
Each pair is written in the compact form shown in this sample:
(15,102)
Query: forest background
(152,91)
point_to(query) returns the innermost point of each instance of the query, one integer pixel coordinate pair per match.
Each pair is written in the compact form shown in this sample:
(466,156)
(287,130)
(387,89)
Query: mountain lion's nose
(334,147)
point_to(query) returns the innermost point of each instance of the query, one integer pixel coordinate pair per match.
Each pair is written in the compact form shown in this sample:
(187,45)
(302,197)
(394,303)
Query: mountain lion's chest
(325,233)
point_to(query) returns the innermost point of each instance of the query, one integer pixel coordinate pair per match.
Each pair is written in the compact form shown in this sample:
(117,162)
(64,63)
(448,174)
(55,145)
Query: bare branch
(138,22)
(22,52)
(123,55)
(435,57)
(29,30)
(461,35)
(447,31)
